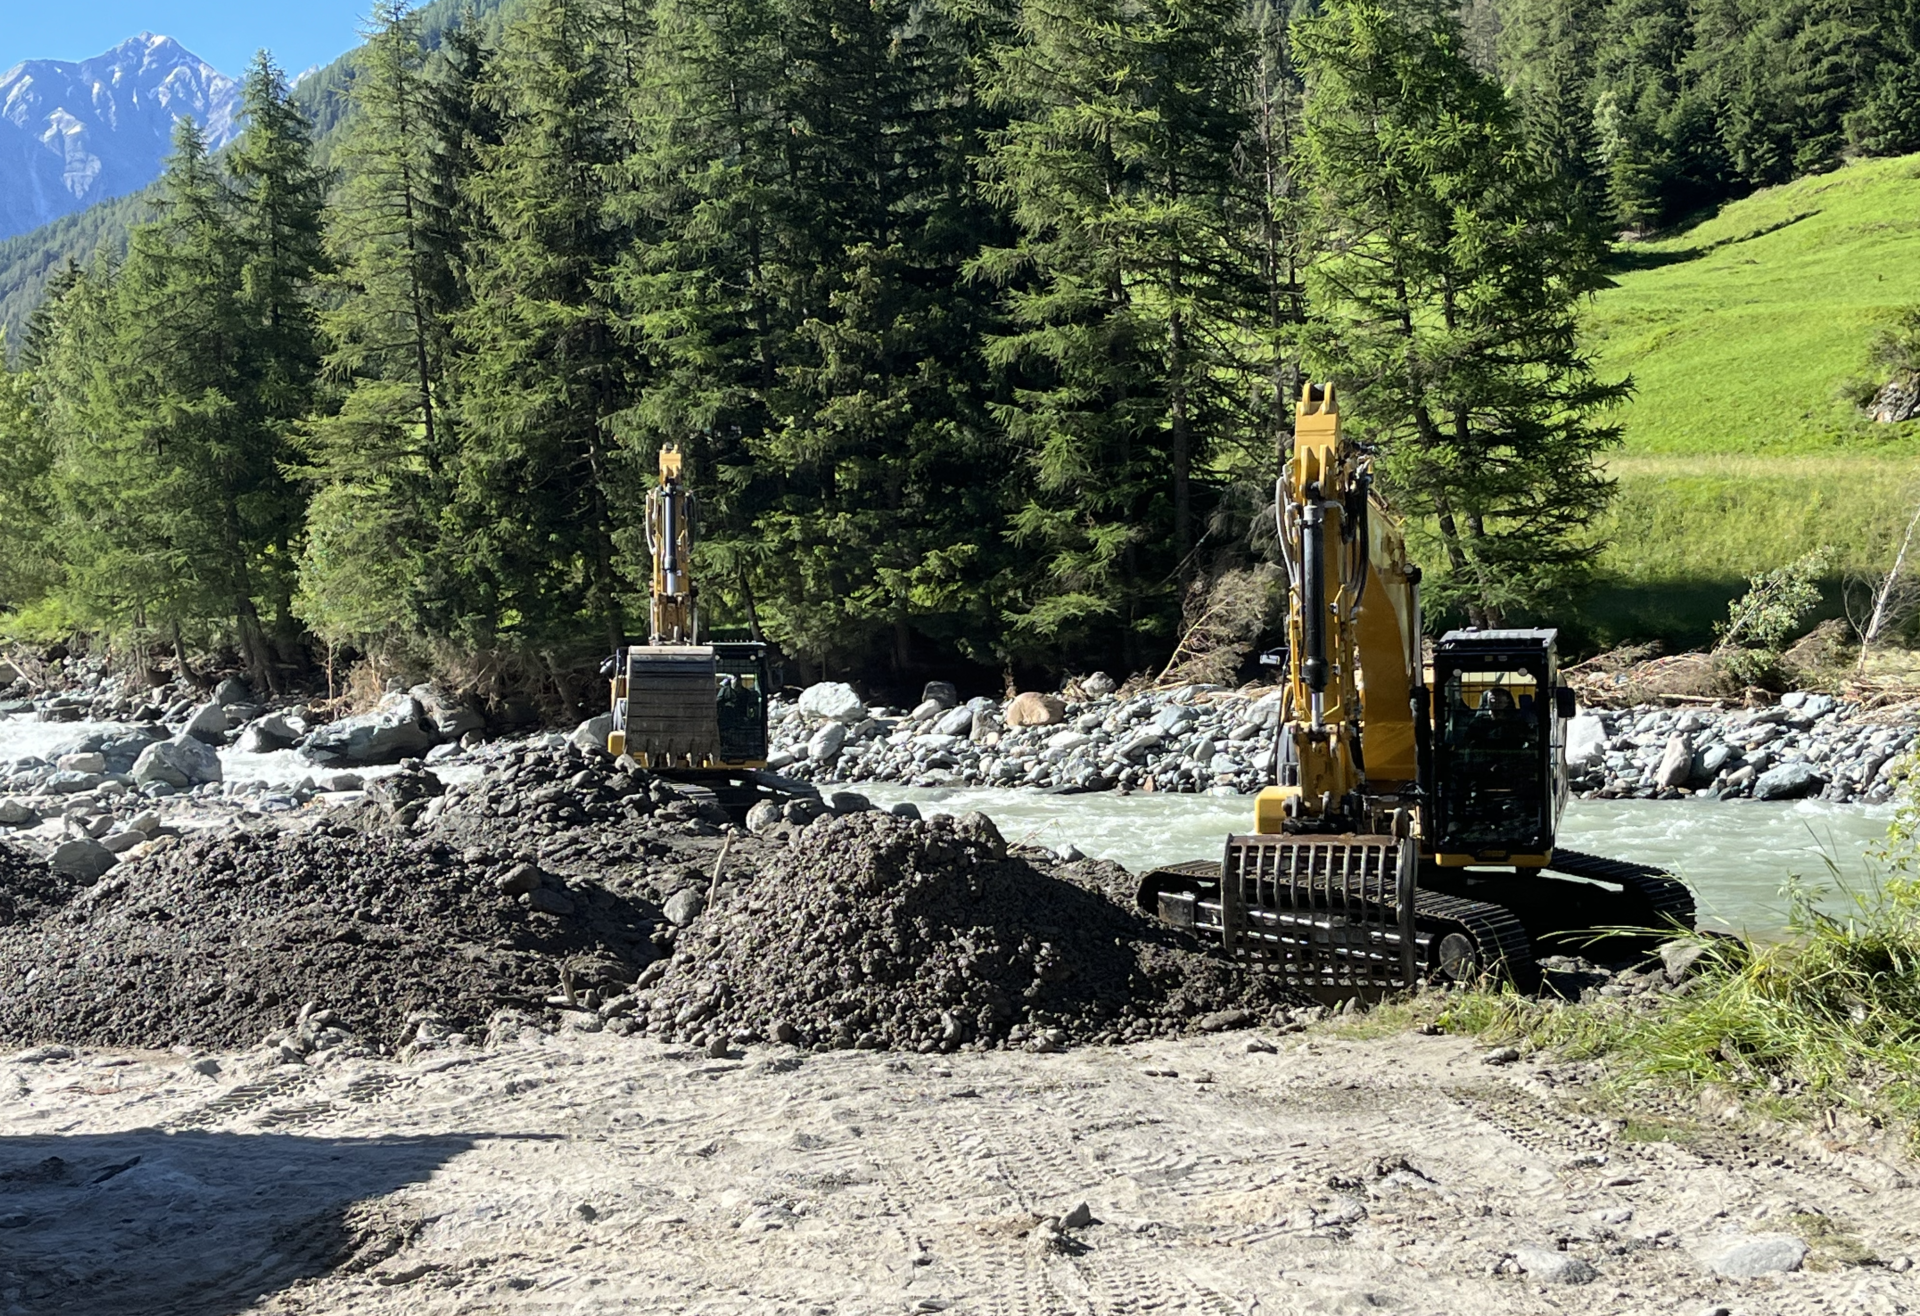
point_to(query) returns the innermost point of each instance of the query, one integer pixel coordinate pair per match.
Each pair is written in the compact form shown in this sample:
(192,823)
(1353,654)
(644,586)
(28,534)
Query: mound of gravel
(880,932)
(220,939)
(28,889)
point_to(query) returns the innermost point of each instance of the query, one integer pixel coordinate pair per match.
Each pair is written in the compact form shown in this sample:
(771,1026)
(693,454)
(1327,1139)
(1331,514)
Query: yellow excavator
(1409,834)
(684,708)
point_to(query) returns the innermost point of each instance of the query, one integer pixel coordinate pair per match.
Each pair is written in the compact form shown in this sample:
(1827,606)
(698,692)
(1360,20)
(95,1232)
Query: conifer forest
(980,321)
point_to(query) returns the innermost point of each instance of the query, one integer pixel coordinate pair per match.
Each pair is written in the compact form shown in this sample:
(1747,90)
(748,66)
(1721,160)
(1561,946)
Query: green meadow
(1745,335)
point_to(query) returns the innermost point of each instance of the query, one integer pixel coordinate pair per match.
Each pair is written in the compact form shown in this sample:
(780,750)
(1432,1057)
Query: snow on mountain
(73,134)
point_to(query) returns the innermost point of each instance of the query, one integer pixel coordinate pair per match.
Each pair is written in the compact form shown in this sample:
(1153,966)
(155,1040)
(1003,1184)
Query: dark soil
(878,932)
(862,930)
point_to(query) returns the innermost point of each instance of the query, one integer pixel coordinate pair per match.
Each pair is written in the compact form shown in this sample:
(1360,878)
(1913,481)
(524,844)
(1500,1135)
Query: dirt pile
(28,889)
(218,940)
(883,933)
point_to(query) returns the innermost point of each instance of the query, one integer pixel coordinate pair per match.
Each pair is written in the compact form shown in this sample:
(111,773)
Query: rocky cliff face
(74,134)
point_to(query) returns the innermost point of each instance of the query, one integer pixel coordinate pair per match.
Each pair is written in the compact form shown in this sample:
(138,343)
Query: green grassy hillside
(1743,449)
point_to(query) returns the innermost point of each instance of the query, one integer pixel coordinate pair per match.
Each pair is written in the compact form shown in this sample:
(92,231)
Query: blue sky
(225,33)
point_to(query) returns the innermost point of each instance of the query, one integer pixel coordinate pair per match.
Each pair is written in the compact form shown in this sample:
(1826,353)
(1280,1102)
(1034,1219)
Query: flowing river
(1735,853)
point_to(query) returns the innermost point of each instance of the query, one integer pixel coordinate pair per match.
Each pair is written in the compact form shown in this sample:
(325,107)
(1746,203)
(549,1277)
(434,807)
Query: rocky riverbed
(1211,739)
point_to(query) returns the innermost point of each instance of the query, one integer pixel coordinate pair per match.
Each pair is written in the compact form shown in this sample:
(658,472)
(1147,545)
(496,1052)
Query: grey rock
(1548,1266)
(340,781)
(1222,1020)
(926,710)
(208,723)
(1078,1218)
(1680,957)
(1586,740)
(182,762)
(95,763)
(1099,685)
(955,722)
(943,693)
(684,906)
(232,691)
(1713,758)
(979,829)
(1789,781)
(1751,1256)
(259,739)
(15,814)
(827,742)
(549,901)
(393,731)
(905,809)
(848,802)
(1676,764)
(83,860)
(592,734)
(71,783)
(519,880)
(833,701)
(763,816)
(121,842)
(449,716)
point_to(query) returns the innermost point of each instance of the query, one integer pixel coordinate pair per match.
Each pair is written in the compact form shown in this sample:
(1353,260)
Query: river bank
(1199,739)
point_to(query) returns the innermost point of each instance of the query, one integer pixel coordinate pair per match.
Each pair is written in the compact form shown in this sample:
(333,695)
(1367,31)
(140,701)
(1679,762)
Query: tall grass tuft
(1829,1016)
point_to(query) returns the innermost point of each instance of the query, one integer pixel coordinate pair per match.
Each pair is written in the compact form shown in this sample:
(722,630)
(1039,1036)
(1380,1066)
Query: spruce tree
(375,571)
(1137,272)
(544,362)
(1445,296)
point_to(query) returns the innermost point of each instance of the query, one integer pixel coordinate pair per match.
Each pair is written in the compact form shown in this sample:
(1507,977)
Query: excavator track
(1666,899)
(1501,947)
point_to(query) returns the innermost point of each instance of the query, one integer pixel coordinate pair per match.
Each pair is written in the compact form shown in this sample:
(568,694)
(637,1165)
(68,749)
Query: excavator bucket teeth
(667,712)
(1333,914)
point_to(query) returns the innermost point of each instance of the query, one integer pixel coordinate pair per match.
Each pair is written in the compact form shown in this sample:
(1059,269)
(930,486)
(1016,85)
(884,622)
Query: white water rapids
(1736,853)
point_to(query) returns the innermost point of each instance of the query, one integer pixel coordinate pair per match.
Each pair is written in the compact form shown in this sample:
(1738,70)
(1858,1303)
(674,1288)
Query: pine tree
(27,570)
(1445,297)
(278,198)
(803,179)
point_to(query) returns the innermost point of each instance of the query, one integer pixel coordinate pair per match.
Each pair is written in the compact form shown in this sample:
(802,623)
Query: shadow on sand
(147,1223)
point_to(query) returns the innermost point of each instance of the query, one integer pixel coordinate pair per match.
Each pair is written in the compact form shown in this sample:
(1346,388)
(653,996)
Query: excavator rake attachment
(1331,914)
(1338,916)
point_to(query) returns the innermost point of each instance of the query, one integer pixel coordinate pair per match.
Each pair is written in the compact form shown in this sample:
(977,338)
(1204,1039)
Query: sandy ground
(587,1173)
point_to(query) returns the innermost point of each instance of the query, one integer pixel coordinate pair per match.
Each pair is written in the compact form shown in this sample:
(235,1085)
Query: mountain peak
(73,133)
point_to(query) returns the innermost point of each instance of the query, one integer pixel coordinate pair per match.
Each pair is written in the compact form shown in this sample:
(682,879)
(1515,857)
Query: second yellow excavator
(1410,831)
(680,706)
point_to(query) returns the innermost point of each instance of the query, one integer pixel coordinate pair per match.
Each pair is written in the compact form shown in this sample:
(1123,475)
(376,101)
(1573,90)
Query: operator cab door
(1499,785)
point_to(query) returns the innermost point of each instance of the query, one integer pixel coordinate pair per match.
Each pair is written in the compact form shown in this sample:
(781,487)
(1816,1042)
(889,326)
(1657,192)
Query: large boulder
(943,693)
(83,860)
(208,723)
(1036,710)
(395,730)
(267,735)
(834,701)
(450,716)
(955,722)
(232,691)
(827,742)
(1586,740)
(1676,765)
(15,814)
(592,734)
(1789,781)
(182,762)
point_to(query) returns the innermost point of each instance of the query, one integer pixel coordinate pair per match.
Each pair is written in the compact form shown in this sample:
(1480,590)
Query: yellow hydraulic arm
(1353,634)
(670,540)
